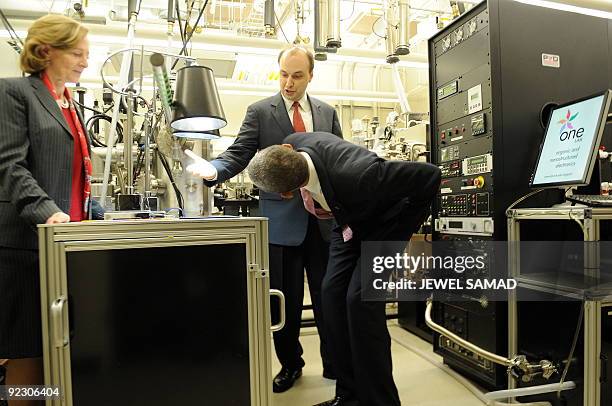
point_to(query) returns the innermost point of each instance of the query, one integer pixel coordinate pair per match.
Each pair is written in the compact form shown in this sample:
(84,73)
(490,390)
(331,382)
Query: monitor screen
(571,142)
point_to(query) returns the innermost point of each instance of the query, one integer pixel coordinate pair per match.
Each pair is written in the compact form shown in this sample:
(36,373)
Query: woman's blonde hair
(54,30)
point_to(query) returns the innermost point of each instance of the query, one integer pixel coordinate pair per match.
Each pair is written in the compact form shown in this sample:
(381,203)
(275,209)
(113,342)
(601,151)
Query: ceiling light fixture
(567,7)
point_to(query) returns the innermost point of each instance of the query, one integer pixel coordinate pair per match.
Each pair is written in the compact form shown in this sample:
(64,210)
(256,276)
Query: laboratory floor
(419,381)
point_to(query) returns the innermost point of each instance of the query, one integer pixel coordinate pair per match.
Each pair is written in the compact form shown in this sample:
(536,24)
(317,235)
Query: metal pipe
(127,147)
(391,29)
(226,43)
(148,129)
(160,74)
(269,23)
(132,13)
(171,18)
(464,343)
(399,90)
(333,24)
(321,31)
(530,390)
(375,86)
(81,96)
(126,64)
(320,16)
(402,47)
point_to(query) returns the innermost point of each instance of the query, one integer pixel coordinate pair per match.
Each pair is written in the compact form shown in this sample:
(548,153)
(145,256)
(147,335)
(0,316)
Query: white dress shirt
(305,111)
(313,185)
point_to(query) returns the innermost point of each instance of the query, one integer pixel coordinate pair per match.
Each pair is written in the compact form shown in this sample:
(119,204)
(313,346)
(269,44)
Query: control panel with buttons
(478,164)
(451,169)
(454,205)
(472,204)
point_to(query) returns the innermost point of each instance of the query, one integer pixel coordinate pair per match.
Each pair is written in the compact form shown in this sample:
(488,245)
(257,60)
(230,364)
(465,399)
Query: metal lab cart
(157,312)
(596,299)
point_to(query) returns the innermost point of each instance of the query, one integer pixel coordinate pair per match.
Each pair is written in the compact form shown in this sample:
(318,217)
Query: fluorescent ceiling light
(375,61)
(568,7)
(224,3)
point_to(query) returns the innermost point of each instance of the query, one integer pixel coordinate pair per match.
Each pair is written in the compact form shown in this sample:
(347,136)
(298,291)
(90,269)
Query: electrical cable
(577,220)
(139,164)
(179,196)
(352,12)
(189,11)
(520,199)
(90,122)
(178,16)
(91,108)
(571,353)
(10,28)
(191,33)
(281,27)
(15,42)
(374,31)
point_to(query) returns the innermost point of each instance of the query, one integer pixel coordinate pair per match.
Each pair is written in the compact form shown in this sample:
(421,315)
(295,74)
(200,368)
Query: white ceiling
(233,29)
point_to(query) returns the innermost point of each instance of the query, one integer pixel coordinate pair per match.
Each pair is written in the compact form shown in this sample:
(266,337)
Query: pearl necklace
(63,103)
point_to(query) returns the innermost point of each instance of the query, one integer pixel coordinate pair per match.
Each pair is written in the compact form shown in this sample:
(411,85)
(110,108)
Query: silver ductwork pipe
(170,17)
(392,36)
(269,21)
(333,24)
(390,11)
(321,13)
(402,47)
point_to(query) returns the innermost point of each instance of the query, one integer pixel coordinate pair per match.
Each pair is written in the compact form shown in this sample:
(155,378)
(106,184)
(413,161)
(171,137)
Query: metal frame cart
(157,312)
(594,299)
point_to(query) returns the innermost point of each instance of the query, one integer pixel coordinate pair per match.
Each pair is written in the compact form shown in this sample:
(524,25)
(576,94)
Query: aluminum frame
(56,240)
(591,218)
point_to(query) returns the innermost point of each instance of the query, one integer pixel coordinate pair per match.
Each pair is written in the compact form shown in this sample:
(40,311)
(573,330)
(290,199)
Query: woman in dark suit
(45,178)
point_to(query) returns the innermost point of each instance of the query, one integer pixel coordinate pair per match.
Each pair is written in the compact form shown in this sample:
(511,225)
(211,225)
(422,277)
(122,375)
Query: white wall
(9,61)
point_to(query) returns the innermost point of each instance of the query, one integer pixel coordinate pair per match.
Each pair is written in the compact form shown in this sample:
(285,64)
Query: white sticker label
(550,60)
(446,190)
(475,99)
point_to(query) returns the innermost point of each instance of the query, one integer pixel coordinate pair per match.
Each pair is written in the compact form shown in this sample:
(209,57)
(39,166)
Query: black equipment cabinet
(494,73)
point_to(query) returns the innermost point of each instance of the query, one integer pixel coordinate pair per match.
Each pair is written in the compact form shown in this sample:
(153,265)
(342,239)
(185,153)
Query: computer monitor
(571,142)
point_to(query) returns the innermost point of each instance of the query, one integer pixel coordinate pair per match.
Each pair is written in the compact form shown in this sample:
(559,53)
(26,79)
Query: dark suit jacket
(36,153)
(267,123)
(362,189)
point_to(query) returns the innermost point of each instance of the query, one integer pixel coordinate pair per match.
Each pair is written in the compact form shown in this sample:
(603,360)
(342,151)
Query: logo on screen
(567,130)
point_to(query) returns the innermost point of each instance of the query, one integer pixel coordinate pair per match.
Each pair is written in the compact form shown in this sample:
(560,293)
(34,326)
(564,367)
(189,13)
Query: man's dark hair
(294,49)
(278,169)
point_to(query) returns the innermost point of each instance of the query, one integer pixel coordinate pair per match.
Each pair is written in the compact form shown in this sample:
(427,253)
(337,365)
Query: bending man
(371,200)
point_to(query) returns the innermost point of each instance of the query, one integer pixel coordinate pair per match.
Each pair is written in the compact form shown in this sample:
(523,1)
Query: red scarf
(82,140)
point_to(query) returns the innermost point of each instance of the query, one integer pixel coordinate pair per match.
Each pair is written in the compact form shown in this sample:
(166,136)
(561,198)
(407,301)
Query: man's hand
(59,217)
(201,167)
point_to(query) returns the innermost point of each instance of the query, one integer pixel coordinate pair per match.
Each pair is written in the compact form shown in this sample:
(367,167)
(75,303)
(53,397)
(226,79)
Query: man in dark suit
(371,200)
(298,240)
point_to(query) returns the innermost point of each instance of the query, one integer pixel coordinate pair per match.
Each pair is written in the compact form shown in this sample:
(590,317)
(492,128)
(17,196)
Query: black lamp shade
(198,135)
(196,102)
